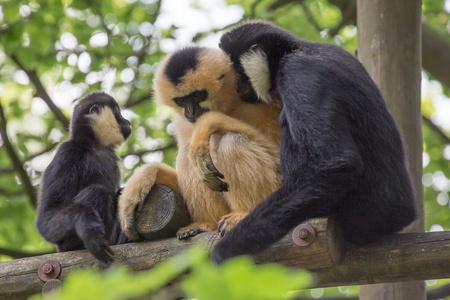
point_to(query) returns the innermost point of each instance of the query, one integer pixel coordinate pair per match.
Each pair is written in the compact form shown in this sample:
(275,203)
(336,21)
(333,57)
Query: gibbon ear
(94,109)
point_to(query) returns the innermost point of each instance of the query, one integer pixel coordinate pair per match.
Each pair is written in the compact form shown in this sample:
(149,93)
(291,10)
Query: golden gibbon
(228,150)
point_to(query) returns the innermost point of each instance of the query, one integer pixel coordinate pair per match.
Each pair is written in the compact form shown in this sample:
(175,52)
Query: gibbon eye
(178,100)
(197,94)
(221,77)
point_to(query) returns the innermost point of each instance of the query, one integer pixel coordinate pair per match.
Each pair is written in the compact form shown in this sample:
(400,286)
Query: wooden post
(389,46)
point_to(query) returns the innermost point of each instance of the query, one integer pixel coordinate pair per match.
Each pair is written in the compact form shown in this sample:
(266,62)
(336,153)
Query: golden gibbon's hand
(137,189)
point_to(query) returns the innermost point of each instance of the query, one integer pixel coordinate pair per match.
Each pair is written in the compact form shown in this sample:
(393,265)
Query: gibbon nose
(126,131)
(192,112)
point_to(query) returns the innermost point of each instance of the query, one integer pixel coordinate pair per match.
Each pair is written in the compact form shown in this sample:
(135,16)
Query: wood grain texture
(163,212)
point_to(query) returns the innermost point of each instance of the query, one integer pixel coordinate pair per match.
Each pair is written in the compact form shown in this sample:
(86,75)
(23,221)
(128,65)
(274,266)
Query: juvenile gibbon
(228,150)
(341,151)
(78,195)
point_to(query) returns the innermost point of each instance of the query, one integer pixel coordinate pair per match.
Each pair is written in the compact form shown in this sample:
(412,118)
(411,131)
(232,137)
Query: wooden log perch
(162,213)
(401,257)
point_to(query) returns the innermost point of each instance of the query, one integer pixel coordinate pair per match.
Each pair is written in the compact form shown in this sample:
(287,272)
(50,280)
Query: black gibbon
(342,154)
(228,150)
(79,190)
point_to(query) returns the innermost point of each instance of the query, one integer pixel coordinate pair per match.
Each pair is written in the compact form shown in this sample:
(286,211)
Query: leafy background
(53,52)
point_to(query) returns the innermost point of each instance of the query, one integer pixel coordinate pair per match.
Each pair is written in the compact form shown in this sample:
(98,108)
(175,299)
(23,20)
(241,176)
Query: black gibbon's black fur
(79,190)
(341,151)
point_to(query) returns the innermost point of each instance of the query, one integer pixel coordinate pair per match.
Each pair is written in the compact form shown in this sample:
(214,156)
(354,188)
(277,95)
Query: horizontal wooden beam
(401,257)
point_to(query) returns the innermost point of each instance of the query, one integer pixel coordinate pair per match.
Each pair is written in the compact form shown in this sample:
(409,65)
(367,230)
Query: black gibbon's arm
(79,190)
(341,152)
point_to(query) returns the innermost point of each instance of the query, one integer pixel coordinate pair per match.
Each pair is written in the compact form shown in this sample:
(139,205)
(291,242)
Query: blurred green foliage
(76,47)
(236,279)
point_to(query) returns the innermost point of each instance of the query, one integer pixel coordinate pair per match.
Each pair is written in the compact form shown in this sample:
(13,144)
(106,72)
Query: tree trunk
(389,46)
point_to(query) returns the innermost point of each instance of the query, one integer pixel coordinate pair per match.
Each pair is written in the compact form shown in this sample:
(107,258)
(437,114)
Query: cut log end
(162,214)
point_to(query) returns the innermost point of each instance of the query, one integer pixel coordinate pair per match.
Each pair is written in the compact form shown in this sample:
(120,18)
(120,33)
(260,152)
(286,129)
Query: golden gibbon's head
(195,80)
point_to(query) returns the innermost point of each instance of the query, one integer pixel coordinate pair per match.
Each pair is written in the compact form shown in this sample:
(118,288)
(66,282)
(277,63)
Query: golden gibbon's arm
(138,187)
(200,150)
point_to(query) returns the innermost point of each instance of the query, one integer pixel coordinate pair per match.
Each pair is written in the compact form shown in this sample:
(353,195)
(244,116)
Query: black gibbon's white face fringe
(256,67)
(106,128)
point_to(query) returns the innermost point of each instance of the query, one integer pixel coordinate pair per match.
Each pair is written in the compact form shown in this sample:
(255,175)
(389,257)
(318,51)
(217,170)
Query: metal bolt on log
(48,270)
(303,235)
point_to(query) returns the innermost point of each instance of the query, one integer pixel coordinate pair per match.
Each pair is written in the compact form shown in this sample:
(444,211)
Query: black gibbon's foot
(213,182)
(230,221)
(189,233)
(208,171)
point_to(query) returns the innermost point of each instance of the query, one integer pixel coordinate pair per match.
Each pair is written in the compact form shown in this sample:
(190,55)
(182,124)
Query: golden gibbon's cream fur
(228,136)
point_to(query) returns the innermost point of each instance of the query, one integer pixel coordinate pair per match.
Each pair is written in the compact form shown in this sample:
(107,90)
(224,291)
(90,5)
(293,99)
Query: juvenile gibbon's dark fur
(78,196)
(228,150)
(341,151)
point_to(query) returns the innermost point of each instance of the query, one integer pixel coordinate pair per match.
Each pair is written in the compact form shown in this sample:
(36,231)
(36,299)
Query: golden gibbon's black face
(194,80)
(192,104)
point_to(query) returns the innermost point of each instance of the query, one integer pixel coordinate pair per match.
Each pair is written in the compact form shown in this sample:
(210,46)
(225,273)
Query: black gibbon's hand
(202,161)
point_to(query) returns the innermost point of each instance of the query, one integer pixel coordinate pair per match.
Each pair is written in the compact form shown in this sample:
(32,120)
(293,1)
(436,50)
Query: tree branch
(400,257)
(141,58)
(17,164)
(172,144)
(348,11)
(252,13)
(310,17)
(48,149)
(7,171)
(436,129)
(435,46)
(42,93)
(277,4)
(436,54)
(132,102)
(20,254)
(10,193)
